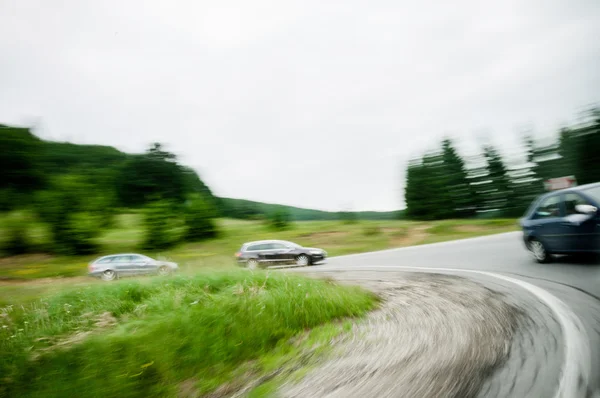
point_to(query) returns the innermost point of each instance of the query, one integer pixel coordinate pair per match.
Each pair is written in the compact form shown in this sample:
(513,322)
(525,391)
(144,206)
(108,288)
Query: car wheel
(302,260)
(252,264)
(538,251)
(109,275)
(164,271)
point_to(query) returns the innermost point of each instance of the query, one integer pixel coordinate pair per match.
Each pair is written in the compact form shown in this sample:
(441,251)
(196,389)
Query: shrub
(279,220)
(18,241)
(372,230)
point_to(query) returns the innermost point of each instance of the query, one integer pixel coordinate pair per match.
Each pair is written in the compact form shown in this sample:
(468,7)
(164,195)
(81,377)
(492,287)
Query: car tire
(539,251)
(109,275)
(252,264)
(303,260)
(164,271)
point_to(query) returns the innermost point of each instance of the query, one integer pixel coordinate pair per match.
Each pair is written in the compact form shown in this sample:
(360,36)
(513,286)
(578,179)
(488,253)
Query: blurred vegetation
(279,220)
(150,338)
(443,185)
(77,190)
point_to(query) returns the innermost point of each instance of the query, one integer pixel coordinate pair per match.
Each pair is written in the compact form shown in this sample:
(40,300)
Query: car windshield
(593,192)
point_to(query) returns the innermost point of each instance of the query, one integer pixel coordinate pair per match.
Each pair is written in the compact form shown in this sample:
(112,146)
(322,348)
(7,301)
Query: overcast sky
(311,103)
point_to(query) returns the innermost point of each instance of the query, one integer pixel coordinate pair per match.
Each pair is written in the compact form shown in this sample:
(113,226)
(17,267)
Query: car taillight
(238,254)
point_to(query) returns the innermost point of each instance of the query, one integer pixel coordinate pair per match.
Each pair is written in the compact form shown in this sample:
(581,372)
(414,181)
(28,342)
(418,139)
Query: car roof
(586,186)
(258,242)
(571,189)
(122,254)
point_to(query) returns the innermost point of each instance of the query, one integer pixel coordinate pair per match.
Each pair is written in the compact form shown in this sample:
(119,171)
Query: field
(24,278)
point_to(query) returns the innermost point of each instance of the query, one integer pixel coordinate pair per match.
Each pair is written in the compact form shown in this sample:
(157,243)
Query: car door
(263,252)
(123,265)
(548,225)
(582,228)
(282,253)
(142,265)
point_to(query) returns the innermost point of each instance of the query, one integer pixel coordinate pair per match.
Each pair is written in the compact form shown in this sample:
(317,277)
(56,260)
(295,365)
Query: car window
(594,193)
(137,259)
(278,246)
(267,246)
(254,247)
(105,260)
(572,200)
(550,207)
(122,259)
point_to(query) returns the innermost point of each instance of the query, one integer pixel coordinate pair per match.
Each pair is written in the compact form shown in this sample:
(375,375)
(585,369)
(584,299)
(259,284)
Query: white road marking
(576,369)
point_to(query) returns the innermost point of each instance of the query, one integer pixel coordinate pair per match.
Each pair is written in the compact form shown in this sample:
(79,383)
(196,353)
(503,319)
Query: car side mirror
(586,209)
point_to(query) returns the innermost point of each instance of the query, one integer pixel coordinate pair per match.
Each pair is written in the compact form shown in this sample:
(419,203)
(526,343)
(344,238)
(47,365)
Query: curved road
(557,347)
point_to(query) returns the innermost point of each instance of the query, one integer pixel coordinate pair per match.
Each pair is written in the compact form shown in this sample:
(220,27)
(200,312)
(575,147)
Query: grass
(336,237)
(169,337)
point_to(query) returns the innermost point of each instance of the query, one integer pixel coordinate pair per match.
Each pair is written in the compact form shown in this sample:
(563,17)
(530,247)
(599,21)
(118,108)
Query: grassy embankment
(178,336)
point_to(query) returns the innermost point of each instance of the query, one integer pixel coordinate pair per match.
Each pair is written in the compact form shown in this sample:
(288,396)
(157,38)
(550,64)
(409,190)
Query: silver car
(116,265)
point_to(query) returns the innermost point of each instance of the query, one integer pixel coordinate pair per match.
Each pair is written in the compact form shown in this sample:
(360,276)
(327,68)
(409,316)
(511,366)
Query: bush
(18,241)
(159,226)
(372,230)
(199,221)
(279,220)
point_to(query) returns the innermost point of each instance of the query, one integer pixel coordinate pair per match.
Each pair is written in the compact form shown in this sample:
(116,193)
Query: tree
(416,202)
(199,220)
(496,196)
(21,172)
(159,223)
(279,220)
(347,217)
(525,184)
(460,196)
(155,175)
(588,159)
(73,214)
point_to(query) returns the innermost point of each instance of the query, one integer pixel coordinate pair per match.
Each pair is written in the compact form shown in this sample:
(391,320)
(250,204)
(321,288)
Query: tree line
(442,184)
(76,191)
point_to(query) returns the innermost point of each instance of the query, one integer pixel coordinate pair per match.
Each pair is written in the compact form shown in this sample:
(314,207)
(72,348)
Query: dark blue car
(563,222)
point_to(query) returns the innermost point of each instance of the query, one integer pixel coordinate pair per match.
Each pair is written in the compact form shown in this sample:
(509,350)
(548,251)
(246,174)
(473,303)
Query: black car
(563,222)
(277,252)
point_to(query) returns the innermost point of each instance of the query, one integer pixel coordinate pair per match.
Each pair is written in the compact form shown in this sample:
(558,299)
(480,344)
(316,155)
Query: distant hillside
(247,209)
(28,163)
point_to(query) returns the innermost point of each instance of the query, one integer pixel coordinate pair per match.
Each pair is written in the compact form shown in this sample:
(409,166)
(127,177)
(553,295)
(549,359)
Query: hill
(30,163)
(247,209)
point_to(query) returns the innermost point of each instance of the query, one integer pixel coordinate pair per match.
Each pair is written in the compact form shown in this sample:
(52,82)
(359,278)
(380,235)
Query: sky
(316,104)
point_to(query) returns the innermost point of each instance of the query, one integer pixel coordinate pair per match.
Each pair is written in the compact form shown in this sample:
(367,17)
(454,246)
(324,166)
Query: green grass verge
(166,337)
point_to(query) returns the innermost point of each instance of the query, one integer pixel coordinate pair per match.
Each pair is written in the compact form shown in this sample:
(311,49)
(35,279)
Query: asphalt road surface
(558,353)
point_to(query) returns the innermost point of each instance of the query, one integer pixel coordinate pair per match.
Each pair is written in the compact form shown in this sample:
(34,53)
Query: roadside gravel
(434,336)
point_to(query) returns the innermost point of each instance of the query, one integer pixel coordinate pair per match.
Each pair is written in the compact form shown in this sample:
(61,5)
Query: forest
(442,184)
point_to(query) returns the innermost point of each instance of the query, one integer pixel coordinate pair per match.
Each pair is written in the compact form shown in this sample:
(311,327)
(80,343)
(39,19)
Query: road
(560,350)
